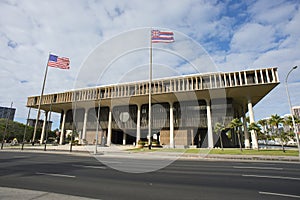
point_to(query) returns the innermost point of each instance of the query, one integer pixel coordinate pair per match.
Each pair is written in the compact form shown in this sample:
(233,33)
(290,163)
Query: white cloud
(272,12)
(29,30)
(253,38)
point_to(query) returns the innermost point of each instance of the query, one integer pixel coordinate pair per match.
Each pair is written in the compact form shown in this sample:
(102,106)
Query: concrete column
(251,117)
(86,111)
(138,124)
(209,126)
(124,138)
(109,131)
(44,128)
(246,134)
(62,130)
(172,142)
(192,137)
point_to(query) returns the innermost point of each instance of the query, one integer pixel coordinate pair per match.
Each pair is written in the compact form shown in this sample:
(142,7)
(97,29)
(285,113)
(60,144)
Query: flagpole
(40,101)
(47,125)
(24,136)
(150,91)
(73,122)
(97,128)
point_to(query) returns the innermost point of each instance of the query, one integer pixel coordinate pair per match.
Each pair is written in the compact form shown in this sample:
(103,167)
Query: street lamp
(291,110)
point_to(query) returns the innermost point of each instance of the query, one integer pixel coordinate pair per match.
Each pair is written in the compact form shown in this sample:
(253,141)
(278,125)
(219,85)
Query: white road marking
(91,166)
(20,156)
(274,177)
(57,175)
(278,194)
(111,162)
(266,168)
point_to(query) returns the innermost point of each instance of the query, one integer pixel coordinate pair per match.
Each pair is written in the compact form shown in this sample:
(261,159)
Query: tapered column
(172,142)
(209,126)
(86,110)
(138,124)
(44,127)
(124,138)
(246,134)
(251,117)
(62,130)
(109,127)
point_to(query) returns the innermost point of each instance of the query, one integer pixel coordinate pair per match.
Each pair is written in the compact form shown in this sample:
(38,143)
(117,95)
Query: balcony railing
(161,86)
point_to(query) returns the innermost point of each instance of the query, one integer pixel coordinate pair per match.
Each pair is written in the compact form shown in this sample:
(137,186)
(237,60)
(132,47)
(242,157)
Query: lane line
(57,175)
(278,194)
(21,157)
(265,168)
(91,166)
(273,177)
(111,162)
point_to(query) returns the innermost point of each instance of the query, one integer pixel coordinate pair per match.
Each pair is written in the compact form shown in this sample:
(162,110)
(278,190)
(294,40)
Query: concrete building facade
(7,113)
(184,108)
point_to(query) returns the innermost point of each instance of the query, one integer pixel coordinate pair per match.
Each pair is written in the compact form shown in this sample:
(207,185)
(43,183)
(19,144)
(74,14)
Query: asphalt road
(184,179)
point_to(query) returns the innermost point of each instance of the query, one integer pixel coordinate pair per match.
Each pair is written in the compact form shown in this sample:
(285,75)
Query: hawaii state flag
(162,36)
(58,62)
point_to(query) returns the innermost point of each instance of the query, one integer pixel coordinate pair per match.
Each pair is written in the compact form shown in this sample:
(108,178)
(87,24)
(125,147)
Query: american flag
(58,62)
(162,36)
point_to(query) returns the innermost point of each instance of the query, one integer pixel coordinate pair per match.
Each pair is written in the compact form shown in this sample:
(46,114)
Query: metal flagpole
(25,129)
(150,91)
(6,125)
(73,122)
(40,101)
(47,124)
(97,127)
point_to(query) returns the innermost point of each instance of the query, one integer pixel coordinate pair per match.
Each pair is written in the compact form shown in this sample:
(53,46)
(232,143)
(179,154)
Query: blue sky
(237,35)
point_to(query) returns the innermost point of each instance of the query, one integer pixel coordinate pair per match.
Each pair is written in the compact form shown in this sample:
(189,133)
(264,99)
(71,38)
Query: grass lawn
(268,152)
(231,151)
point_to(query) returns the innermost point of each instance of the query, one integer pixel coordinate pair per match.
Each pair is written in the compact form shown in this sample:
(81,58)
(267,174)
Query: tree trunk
(221,141)
(283,147)
(239,138)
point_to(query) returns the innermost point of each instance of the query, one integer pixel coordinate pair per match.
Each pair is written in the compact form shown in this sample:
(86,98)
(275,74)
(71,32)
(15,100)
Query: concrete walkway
(22,194)
(119,151)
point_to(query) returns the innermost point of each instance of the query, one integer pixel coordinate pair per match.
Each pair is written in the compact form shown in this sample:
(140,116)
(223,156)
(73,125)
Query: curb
(190,156)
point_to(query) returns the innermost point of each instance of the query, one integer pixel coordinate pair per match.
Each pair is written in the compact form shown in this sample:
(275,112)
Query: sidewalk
(119,151)
(13,193)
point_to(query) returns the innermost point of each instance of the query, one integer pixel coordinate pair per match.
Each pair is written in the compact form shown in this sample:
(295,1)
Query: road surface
(85,176)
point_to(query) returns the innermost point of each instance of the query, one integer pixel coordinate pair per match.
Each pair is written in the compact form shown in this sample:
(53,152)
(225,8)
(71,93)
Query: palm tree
(264,124)
(289,121)
(235,124)
(218,130)
(256,128)
(275,120)
(284,137)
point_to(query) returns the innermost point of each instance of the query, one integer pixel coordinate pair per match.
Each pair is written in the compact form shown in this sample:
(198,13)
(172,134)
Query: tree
(256,128)
(275,120)
(284,137)
(218,129)
(235,124)
(15,130)
(289,121)
(264,135)
(264,124)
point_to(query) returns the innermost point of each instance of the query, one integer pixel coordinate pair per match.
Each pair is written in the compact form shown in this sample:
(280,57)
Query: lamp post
(291,110)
